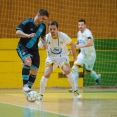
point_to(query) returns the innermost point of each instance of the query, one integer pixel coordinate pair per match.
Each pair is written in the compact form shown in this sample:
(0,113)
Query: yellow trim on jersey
(55,39)
(75,63)
(63,64)
(70,43)
(48,64)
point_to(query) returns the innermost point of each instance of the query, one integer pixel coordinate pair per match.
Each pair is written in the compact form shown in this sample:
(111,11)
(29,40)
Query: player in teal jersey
(29,31)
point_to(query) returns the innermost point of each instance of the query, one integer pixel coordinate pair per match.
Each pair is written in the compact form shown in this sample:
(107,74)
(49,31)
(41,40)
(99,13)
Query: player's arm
(43,41)
(21,29)
(76,43)
(20,33)
(73,49)
(88,44)
(70,52)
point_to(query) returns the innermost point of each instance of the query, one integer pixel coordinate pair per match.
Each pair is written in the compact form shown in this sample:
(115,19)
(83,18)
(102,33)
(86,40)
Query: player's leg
(32,76)
(75,76)
(94,75)
(43,81)
(78,63)
(25,73)
(34,68)
(25,57)
(69,75)
(89,64)
(66,69)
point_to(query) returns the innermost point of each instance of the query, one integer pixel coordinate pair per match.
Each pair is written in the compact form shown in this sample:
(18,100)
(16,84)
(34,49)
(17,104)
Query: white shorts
(57,61)
(88,61)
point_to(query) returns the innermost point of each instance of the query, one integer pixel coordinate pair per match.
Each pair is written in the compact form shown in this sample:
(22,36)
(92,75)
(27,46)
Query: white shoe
(39,97)
(98,80)
(26,89)
(77,94)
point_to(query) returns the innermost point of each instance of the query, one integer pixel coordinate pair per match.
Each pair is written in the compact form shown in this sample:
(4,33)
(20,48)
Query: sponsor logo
(31,29)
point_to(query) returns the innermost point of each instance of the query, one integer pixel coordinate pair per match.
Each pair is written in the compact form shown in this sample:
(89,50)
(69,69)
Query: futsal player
(57,55)
(29,31)
(87,55)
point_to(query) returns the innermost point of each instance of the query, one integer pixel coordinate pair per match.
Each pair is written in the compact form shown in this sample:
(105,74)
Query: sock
(75,75)
(43,84)
(25,74)
(71,81)
(31,80)
(94,75)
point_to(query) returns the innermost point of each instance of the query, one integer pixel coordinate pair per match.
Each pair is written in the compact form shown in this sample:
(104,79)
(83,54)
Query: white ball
(32,96)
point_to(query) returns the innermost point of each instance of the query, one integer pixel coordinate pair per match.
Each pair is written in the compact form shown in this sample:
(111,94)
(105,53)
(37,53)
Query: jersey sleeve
(67,39)
(22,25)
(89,34)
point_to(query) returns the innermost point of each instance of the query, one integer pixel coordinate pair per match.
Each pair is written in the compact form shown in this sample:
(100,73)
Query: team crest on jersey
(23,53)
(31,29)
(40,30)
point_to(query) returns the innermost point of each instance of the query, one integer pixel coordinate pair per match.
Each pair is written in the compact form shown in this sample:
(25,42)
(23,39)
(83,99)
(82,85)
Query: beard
(53,34)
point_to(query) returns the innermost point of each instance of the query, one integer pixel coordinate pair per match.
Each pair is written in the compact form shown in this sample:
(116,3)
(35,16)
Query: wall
(100,15)
(11,68)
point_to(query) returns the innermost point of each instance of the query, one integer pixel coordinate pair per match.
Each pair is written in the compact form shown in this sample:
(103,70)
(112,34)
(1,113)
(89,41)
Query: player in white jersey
(87,55)
(57,55)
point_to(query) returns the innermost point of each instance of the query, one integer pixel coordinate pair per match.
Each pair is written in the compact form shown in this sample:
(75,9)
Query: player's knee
(27,62)
(34,71)
(47,73)
(66,71)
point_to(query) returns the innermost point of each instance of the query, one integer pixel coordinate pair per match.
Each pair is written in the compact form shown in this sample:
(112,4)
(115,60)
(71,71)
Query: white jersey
(57,47)
(83,39)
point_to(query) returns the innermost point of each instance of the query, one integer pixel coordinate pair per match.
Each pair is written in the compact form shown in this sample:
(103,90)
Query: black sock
(31,80)
(25,74)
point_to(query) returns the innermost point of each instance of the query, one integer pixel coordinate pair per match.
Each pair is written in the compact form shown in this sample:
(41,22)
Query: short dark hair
(43,12)
(82,20)
(53,23)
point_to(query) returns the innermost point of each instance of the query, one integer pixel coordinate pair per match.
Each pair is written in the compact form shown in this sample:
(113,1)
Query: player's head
(42,15)
(81,25)
(53,28)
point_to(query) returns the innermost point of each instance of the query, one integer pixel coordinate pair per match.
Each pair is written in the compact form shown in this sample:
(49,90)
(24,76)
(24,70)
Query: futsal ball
(32,96)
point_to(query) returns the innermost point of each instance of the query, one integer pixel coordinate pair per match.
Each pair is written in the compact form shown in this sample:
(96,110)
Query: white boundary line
(35,109)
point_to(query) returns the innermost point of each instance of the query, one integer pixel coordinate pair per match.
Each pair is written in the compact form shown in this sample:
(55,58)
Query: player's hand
(31,35)
(45,46)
